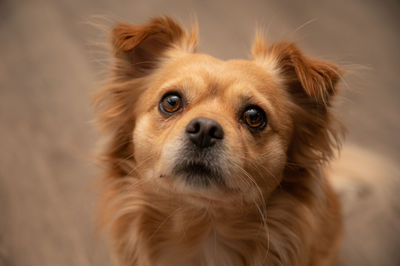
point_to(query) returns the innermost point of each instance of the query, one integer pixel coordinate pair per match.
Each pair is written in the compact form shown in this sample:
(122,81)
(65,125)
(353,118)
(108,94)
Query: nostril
(216,132)
(193,127)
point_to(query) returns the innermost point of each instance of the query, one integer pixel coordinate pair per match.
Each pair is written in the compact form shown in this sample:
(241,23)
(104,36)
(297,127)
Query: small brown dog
(217,163)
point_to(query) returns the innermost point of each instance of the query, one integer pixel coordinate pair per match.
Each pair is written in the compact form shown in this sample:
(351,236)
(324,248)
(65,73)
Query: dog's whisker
(138,165)
(262,211)
(302,26)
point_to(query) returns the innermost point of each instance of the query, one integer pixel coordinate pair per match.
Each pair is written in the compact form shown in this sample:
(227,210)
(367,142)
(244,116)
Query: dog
(217,163)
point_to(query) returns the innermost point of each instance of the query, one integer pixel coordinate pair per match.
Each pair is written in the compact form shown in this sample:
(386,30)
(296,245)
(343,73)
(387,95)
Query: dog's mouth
(199,173)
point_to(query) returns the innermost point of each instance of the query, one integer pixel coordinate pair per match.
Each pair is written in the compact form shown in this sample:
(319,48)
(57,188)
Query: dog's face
(215,129)
(209,125)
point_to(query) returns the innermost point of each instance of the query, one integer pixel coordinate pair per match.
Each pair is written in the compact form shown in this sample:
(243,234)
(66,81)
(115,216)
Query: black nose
(204,132)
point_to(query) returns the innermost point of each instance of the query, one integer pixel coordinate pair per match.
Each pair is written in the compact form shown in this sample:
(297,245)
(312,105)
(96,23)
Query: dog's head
(192,124)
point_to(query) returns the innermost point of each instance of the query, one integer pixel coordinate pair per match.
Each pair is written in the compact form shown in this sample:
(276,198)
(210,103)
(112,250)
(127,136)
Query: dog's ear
(314,78)
(311,84)
(139,49)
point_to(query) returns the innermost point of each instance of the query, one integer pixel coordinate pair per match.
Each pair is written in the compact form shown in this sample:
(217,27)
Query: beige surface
(48,66)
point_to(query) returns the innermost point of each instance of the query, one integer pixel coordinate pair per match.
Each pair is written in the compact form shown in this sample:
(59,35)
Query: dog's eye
(255,117)
(171,103)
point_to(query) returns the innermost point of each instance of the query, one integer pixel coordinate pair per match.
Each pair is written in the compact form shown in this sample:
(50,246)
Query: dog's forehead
(220,74)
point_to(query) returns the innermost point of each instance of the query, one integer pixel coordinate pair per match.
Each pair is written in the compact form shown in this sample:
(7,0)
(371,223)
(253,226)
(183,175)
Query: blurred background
(50,64)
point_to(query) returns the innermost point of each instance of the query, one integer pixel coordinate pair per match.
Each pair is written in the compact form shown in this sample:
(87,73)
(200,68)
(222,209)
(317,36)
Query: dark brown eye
(171,103)
(255,117)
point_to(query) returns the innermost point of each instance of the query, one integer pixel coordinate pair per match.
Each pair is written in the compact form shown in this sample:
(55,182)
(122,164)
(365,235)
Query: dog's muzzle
(199,161)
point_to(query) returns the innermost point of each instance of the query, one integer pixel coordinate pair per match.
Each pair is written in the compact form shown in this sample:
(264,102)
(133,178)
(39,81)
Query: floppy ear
(314,78)
(139,49)
(311,84)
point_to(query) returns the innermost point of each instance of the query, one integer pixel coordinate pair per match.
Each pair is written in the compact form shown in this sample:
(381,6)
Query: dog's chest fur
(181,234)
(208,252)
(194,236)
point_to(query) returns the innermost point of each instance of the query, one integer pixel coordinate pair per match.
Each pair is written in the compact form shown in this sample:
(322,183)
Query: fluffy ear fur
(138,49)
(311,84)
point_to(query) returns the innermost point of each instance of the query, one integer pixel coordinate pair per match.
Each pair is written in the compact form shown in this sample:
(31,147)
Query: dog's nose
(204,132)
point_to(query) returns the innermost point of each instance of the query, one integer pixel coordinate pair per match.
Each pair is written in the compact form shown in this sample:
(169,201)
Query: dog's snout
(204,132)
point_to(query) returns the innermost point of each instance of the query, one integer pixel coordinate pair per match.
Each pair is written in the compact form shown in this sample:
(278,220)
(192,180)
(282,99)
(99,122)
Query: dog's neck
(168,230)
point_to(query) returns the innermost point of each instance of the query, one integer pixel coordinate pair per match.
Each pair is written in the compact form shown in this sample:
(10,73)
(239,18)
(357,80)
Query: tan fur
(276,207)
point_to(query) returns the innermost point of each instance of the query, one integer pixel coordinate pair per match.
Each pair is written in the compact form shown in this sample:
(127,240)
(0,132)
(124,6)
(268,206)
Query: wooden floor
(50,64)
